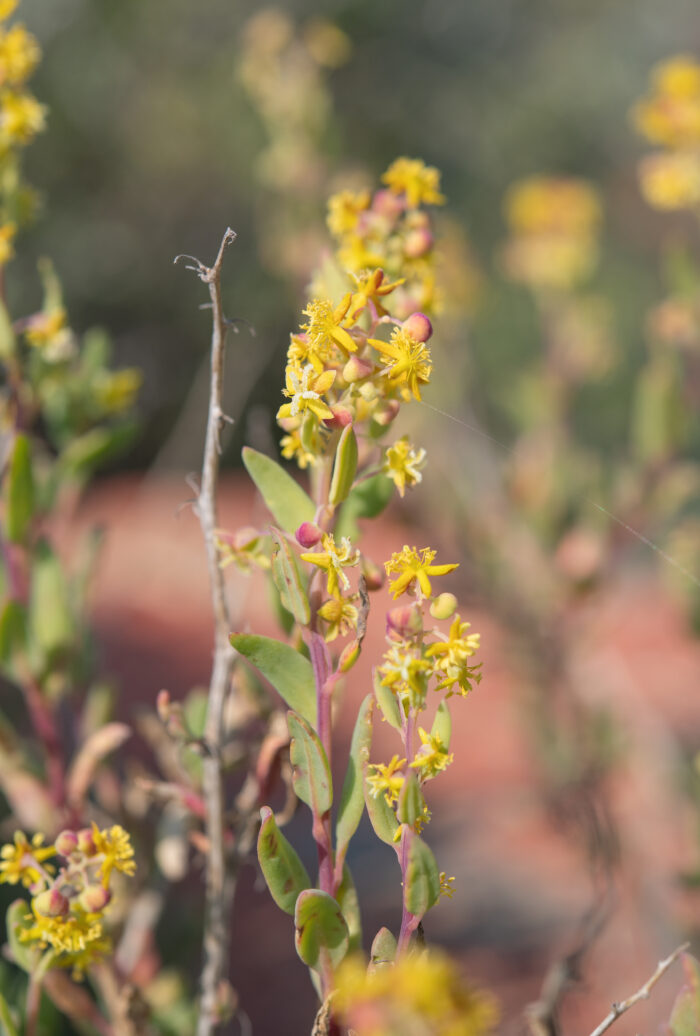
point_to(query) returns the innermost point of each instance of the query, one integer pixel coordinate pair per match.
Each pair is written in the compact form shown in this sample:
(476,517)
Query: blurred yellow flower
(420,183)
(671,180)
(671,115)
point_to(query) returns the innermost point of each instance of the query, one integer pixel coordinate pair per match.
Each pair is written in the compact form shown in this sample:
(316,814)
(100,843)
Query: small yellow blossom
(114,845)
(324,329)
(21,118)
(552,205)
(386,779)
(44,328)
(333,558)
(672,180)
(403,463)
(419,182)
(671,114)
(414,566)
(7,7)
(19,55)
(7,235)
(370,287)
(293,449)
(340,615)
(18,861)
(116,390)
(447,885)
(409,364)
(344,211)
(432,757)
(305,387)
(405,672)
(452,655)
(422,993)
(70,932)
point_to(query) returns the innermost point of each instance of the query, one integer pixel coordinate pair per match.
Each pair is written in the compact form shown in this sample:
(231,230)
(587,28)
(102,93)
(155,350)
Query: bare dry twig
(641,994)
(218,896)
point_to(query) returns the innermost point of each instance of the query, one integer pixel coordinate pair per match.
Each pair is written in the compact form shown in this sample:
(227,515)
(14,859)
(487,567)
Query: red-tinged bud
(404,622)
(51,903)
(94,898)
(342,417)
(374,575)
(308,534)
(386,413)
(67,841)
(86,843)
(356,369)
(386,203)
(444,606)
(163,705)
(418,327)
(348,656)
(418,243)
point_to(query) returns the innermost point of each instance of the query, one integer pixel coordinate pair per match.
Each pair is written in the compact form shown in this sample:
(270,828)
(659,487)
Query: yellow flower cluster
(670,117)
(553,224)
(421,993)
(69,895)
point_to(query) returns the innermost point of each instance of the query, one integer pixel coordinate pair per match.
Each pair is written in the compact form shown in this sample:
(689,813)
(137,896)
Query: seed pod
(51,903)
(94,898)
(66,842)
(444,606)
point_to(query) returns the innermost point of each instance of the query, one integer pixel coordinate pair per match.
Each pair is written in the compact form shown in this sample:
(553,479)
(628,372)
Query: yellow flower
(420,183)
(422,992)
(44,328)
(114,845)
(409,361)
(413,566)
(432,756)
(370,287)
(402,463)
(7,7)
(293,449)
(19,55)
(324,330)
(344,211)
(305,387)
(341,617)
(333,559)
(18,861)
(21,118)
(671,181)
(404,672)
(552,205)
(116,390)
(452,655)
(386,779)
(671,115)
(71,932)
(446,885)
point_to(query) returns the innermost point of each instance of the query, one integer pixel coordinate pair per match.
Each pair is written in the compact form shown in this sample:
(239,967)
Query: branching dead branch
(641,994)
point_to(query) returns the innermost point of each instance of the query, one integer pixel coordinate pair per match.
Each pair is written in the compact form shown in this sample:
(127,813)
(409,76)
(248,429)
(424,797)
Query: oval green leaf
(352,799)
(285,499)
(312,774)
(20,491)
(442,724)
(321,937)
(344,468)
(285,874)
(289,672)
(422,886)
(287,579)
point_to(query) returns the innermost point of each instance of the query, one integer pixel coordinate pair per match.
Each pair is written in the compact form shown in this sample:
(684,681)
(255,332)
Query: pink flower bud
(342,417)
(404,622)
(94,898)
(51,903)
(356,369)
(386,413)
(374,575)
(418,243)
(67,841)
(418,327)
(86,843)
(386,203)
(308,534)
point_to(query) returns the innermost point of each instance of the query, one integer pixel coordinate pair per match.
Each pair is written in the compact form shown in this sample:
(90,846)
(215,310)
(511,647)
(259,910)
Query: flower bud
(308,534)
(374,575)
(418,243)
(356,369)
(444,606)
(386,413)
(94,898)
(86,843)
(404,622)
(348,657)
(342,417)
(418,327)
(67,842)
(386,203)
(51,903)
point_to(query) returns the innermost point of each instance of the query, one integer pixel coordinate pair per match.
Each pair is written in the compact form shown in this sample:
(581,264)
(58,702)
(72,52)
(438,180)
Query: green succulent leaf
(411,805)
(321,936)
(383,949)
(20,491)
(312,774)
(422,885)
(285,499)
(387,702)
(350,906)
(285,874)
(50,619)
(287,670)
(13,631)
(352,799)
(23,954)
(7,1025)
(287,579)
(442,725)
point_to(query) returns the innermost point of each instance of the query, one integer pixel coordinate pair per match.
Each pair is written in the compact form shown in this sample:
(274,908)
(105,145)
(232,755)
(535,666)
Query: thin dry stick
(217,895)
(641,994)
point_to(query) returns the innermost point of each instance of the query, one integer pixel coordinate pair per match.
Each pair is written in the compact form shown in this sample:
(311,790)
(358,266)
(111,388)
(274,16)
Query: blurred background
(563,464)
